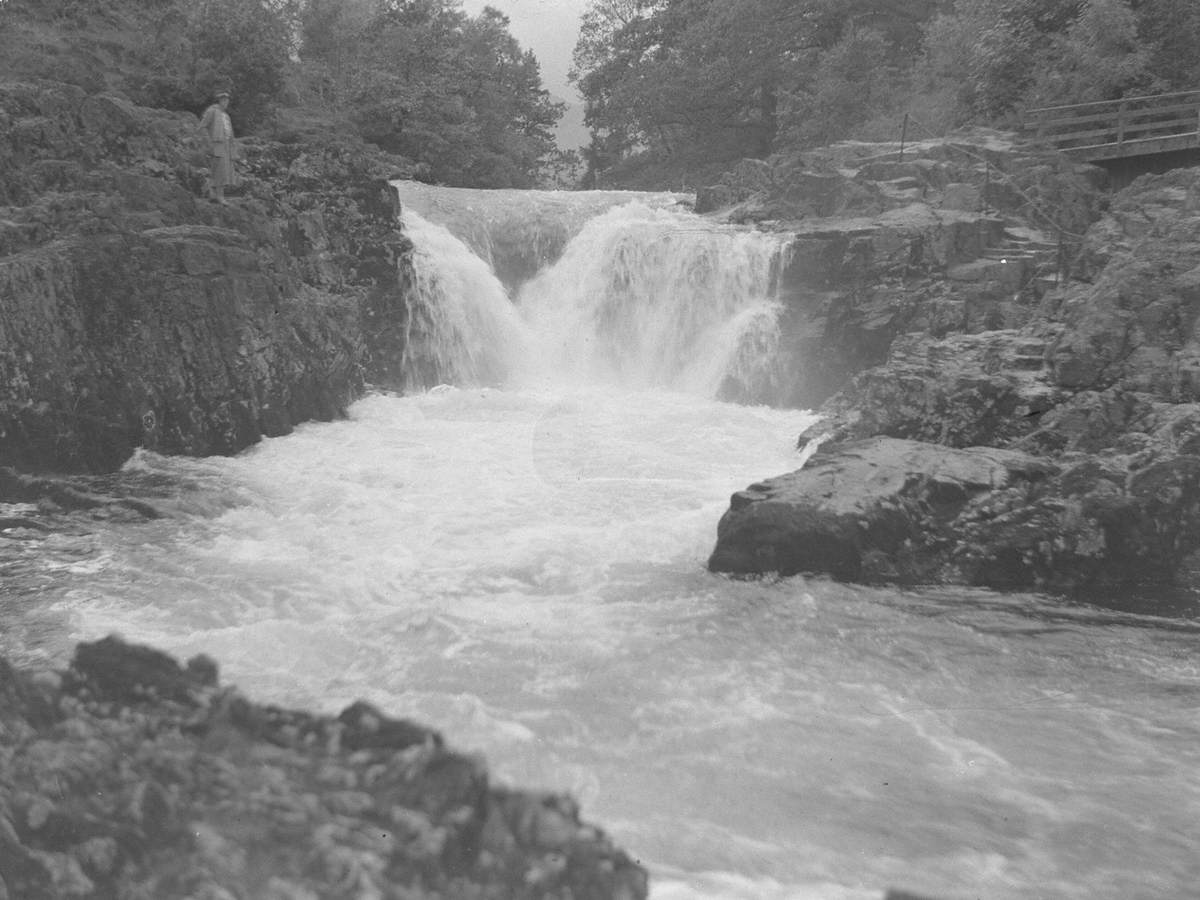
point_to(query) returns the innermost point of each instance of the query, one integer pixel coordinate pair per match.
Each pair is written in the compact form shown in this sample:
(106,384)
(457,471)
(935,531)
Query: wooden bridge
(1119,129)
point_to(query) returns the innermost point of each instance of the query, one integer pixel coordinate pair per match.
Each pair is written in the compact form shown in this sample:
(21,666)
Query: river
(515,555)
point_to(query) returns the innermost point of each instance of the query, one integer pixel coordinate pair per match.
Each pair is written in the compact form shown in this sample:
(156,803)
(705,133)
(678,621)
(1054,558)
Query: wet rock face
(132,775)
(137,314)
(951,238)
(897,511)
(176,339)
(1134,325)
(969,389)
(1093,385)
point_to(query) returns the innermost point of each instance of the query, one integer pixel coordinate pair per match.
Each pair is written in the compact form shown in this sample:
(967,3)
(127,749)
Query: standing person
(219,129)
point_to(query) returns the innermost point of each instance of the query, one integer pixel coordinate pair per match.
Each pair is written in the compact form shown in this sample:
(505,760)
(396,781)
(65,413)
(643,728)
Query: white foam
(645,297)
(734,886)
(524,569)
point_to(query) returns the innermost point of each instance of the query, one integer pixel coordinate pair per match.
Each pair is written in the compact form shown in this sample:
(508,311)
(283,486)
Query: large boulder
(901,511)
(1087,387)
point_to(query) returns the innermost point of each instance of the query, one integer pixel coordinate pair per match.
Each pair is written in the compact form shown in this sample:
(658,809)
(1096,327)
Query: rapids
(518,560)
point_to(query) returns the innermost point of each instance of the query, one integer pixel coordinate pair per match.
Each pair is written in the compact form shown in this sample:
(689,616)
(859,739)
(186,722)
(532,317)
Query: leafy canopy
(422,78)
(697,84)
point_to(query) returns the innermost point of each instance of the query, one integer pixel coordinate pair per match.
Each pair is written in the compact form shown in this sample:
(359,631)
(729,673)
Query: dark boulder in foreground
(902,511)
(131,776)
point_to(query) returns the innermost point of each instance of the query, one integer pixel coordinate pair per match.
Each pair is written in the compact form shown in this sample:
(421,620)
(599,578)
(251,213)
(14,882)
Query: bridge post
(1121,122)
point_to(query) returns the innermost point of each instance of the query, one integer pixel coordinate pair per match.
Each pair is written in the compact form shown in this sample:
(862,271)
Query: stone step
(1007,253)
(1027,363)
(1030,237)
(1039,246)
(906,183)
(1011,274)
(1043,261)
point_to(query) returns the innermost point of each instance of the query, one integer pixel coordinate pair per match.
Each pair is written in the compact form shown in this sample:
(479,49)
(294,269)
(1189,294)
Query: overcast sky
(547,27)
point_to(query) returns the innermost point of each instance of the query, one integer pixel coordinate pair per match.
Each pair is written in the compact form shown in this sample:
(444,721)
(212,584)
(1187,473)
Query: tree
(1097,57)
(243,46)
(989,51)
(703,80)
(851,82)
(684,83)
(423,79)
(1170,32)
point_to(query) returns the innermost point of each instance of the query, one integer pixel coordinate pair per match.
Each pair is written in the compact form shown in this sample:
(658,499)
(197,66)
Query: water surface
(519,561)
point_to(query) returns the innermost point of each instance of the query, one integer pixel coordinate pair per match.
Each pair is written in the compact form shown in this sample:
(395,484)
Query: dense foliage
(700,83)
(202,46)
(421,78)
(454,93)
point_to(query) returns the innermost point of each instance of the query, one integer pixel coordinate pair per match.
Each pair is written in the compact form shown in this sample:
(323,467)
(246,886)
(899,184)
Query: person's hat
(221,94)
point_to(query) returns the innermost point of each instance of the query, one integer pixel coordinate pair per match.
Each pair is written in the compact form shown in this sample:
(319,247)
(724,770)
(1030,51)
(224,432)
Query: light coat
(217,125)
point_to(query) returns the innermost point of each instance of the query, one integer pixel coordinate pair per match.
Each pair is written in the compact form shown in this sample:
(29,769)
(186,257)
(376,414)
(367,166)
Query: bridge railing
(1108,129)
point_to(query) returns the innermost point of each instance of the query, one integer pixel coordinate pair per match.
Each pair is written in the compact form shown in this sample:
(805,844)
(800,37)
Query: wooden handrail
(1178,125)
(1136,122)
(1107,117)
(1093,103)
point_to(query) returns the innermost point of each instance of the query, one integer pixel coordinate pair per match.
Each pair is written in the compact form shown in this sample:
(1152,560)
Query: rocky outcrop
(130,775)
(908,512)
(1091,398)
(138,314)
(989,388)
(964,234)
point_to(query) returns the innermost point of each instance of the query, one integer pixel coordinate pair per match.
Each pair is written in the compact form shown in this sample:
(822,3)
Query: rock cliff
(136,313)
(1078,366)
(961,234)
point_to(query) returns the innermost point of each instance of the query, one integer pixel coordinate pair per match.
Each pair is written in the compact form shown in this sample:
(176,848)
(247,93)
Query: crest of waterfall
(462,327)
(517,232)
(641,297)
(645,297)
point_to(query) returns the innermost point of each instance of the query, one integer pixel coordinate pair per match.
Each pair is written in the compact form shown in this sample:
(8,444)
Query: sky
(549,28)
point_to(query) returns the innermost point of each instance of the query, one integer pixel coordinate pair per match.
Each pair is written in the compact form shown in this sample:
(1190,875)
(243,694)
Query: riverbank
(138,314)
(1016,413)
(135,312)
(452,558)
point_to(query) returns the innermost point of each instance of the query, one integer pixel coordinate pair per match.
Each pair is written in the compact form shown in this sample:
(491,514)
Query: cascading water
(641,298)
(462,329)
(517,233)
(524,569)
(654,298)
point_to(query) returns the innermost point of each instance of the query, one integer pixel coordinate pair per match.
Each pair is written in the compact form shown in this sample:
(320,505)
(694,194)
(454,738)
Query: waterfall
(462,328)
(517,233)
(645,295)
(524,571)
(648,298)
